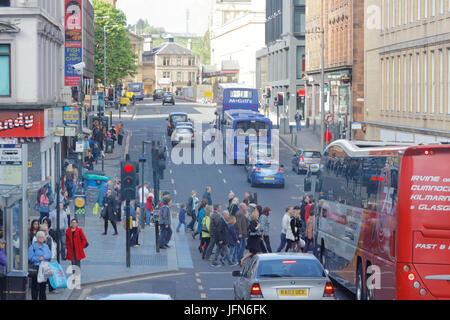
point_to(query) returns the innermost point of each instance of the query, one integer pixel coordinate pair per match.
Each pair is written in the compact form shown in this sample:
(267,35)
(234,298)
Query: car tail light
(329,290)
(255,291)
(256,170)
(301,159)
(281,170)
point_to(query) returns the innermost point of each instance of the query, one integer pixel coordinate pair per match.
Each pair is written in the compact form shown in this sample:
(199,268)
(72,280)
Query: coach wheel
(359,284)
(369,291)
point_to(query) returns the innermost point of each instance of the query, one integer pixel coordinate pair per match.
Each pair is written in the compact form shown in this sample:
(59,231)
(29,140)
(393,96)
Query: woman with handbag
(44,209)
(76,242)
(38,252)
(109,212)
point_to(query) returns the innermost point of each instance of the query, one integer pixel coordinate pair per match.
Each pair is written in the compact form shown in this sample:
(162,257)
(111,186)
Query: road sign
(11,155)
(329,118)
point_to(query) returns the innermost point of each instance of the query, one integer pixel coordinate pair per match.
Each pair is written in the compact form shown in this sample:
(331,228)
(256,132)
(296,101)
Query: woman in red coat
(75,243)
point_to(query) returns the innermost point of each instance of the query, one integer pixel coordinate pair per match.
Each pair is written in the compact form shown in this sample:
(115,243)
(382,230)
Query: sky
(170,14)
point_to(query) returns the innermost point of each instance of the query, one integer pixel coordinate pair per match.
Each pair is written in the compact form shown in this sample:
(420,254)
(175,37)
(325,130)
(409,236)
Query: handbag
(44,209)
(104,213)
(58,280)
(96,209)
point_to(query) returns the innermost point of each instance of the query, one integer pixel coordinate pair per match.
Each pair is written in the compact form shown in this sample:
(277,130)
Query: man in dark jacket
(221,238)
(215,218)
(165,224)
(207,196)
(242,224)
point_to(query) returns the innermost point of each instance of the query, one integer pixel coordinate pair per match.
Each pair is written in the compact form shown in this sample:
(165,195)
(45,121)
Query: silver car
(305,160)
(283,276)
(183,136)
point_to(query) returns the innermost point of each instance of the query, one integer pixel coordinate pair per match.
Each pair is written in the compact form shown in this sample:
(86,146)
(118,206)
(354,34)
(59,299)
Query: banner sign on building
(22,124)
(70,115)
(74,39)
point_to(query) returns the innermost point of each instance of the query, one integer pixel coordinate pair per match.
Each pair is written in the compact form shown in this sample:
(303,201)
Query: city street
(198,280)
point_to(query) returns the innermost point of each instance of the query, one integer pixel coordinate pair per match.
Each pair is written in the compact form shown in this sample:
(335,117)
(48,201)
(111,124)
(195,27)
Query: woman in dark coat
(109,212)
(254,237)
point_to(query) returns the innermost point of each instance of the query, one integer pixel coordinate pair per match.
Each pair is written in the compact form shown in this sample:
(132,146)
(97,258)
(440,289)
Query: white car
(182,135)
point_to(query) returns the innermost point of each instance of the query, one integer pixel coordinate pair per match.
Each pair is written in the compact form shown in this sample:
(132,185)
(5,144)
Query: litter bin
(109,146)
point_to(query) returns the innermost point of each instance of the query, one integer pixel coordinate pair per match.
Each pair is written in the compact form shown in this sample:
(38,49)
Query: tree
(120,59)
(205,54)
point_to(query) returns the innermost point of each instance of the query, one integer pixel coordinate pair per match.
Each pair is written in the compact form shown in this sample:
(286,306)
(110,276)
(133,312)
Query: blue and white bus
(241,128)
(138,89)
(232,96)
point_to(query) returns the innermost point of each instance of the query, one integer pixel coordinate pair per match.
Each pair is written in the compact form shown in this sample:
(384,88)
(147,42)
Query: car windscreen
(185,131)
(257,126)
(178,118)
(247,94)
(312,154)
(168,94)
(295,268)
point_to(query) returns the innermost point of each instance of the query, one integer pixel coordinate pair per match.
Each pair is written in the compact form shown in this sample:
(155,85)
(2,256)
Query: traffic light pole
(127,227)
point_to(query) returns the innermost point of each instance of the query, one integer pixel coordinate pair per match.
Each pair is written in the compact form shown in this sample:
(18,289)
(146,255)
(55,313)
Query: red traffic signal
(128,168)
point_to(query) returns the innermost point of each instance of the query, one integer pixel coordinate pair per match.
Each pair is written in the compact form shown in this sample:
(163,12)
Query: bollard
(80,209)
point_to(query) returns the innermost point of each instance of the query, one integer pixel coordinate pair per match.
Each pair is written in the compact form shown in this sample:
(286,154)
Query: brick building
(343,25)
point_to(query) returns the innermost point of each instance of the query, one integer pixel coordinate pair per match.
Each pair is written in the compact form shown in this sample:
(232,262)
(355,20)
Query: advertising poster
(73,18)
(22,124)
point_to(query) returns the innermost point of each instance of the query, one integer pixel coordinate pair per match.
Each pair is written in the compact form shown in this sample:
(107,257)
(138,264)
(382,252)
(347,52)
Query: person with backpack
(206,236)
(191,207)
(201,215)
(215,218)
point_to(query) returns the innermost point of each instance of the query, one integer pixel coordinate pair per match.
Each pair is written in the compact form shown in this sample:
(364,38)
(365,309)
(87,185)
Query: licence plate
(293,292)
(267,178)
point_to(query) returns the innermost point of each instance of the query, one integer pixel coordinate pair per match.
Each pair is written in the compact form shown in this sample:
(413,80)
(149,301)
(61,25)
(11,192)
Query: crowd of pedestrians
(242,229)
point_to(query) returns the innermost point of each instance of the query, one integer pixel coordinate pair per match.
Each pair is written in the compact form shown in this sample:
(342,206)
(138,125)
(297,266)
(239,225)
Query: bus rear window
(241,94)
(255,125)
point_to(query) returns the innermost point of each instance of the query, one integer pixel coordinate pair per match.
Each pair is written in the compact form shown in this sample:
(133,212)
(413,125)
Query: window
(433,81)
(393,84)
(299,19)
(405,87)
(411,77)
(419,13)
(5,3)
(179,61)
(179,76)
(448,79)
(418,84)
(425,87)
(300,61)
(441,82)
(5,70)
(381,83)
(166,61)
(399,84)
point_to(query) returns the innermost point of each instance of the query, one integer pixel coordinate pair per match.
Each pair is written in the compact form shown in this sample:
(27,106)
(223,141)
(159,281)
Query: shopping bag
(58,279)
(44,272)
(96,209)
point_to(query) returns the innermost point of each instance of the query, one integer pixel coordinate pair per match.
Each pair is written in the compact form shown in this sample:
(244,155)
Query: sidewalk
(306,138)
(106,255)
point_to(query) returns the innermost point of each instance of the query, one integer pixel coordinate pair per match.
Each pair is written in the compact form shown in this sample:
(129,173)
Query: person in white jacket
(285,228)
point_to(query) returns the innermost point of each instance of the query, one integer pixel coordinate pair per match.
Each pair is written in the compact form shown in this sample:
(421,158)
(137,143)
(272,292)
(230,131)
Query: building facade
(236,33)
(341,23)
(31,81)
(407,71)
(175,66)
(284,56)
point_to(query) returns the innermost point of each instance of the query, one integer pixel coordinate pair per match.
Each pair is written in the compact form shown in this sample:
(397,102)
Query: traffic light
(129,181)
(111,94)
(268,93)
(288,96)
(280,99)
(190,83)
(161,163)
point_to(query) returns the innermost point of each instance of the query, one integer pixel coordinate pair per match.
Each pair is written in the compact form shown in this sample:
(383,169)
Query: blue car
(265,172)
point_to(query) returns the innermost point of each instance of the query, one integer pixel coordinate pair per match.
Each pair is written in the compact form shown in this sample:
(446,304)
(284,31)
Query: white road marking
(170,171)
(138,279)
(175,192)
(220,171)
(203,296)
(219,272)
(220,289)
(224,181)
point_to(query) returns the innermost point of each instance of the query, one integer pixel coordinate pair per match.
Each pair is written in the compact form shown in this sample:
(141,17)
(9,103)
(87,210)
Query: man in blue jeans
(285,224)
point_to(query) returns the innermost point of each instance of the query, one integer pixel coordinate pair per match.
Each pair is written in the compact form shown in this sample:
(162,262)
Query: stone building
(407,48)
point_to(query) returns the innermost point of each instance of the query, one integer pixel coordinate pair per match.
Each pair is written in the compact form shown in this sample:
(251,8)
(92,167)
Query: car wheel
(252,184)
(359,284)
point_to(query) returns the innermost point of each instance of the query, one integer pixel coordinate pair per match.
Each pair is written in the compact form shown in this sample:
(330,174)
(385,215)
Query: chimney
(189,45)
(148,44)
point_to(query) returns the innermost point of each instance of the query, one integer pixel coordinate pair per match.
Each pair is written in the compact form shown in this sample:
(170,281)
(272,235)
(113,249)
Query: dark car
(173,120)
(158,94)
(168,98)
(305,160)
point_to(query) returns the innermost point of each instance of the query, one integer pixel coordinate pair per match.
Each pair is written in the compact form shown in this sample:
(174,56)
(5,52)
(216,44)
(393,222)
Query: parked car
(168,98)
(265,171)
(283,276)
(305,160)
(158,94)
(173,119)
(182,135)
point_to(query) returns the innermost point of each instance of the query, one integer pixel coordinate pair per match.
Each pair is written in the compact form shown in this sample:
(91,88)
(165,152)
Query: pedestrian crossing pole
(127,227)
